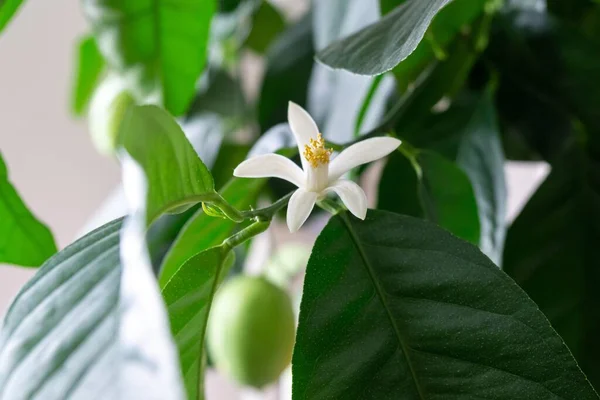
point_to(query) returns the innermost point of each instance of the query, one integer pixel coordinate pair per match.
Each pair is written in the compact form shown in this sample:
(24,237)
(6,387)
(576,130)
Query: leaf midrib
(382,297)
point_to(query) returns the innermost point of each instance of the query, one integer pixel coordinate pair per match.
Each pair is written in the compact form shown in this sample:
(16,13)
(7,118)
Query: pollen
(316,153)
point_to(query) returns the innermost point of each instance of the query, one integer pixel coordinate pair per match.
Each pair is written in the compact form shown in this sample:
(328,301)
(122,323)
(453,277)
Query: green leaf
(176,176)
(202,231)
(468,134)
(381,46)
(548,87)
(8,8)
(90,65)
(24,240)
(289,65)
(188,296)
(551,251)
(68,332)
(394,307)
(163,44)
(267,24)
(436,189)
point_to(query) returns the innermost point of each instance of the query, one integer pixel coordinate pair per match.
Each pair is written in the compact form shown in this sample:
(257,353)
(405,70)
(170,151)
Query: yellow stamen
(316,153)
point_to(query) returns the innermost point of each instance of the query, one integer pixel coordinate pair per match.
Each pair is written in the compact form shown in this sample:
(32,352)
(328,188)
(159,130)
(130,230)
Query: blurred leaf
(188,296)
(176,176)
(230,156)
(267,24)
(380,47)
(161,46)
(551,252)
(24,240)
(90,65)
(442,194)
(8,8)
(289,65)
(394,307)
(548,86)
(68,332)
(221,94)
(278,139)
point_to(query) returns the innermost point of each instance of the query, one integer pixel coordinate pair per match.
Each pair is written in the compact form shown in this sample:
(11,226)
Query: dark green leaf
(188,296)
(24,240)
(163,44)
(289,65)
(8,8)
(548,86)
(176,176)
(267,24)
(381,46)
(436,189)
(395,308)
(87,74)
(68,334)
(552,252)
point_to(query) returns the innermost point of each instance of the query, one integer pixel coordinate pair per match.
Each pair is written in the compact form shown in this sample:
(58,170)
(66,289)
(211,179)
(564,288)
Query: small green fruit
(251,332)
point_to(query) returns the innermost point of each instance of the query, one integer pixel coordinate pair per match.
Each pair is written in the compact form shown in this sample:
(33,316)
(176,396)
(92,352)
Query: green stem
(247,233)
(267,213)
(228,210)
(330,205)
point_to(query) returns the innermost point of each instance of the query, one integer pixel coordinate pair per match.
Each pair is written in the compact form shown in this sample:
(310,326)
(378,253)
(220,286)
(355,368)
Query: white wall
(50,159)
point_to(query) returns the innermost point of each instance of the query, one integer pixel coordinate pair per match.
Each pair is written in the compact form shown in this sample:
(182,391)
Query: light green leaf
(267,24)
(433,188)
(552,253)
(161,43)
(8,8)
(188,296)
(381,46)
(90,65)
(394,307)
(24,240)
(177,178)
(68,332)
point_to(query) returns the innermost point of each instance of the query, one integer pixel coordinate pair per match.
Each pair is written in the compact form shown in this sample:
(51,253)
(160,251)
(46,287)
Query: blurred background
(51,160)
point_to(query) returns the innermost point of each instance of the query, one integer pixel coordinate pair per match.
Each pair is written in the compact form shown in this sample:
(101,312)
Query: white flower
(318,175)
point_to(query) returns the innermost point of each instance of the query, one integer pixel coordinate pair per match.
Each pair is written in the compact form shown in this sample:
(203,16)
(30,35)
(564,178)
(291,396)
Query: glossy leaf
(24,240)
(394,307)
(163,44)
(551,251)
(188,296)
(8,8)
(90,65)
(63,335)
(381,46)
(435,188)
(176,176)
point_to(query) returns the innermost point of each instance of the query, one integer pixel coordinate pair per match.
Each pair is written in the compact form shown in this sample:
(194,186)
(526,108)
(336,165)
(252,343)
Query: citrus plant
(416,289)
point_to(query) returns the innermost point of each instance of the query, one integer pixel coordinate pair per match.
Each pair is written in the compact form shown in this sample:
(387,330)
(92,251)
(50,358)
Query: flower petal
(352,195)
(271,166)
(361,153)
(303,127)
(299,208)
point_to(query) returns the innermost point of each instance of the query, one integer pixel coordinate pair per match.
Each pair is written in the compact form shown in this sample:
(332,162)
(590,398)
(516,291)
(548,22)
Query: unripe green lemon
(108,107)
(251,331)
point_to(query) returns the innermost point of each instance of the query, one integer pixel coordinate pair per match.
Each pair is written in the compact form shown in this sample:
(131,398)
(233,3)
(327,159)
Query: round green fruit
(251,331)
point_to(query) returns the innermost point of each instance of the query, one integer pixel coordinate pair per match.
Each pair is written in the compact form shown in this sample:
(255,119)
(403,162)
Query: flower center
(316,153)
